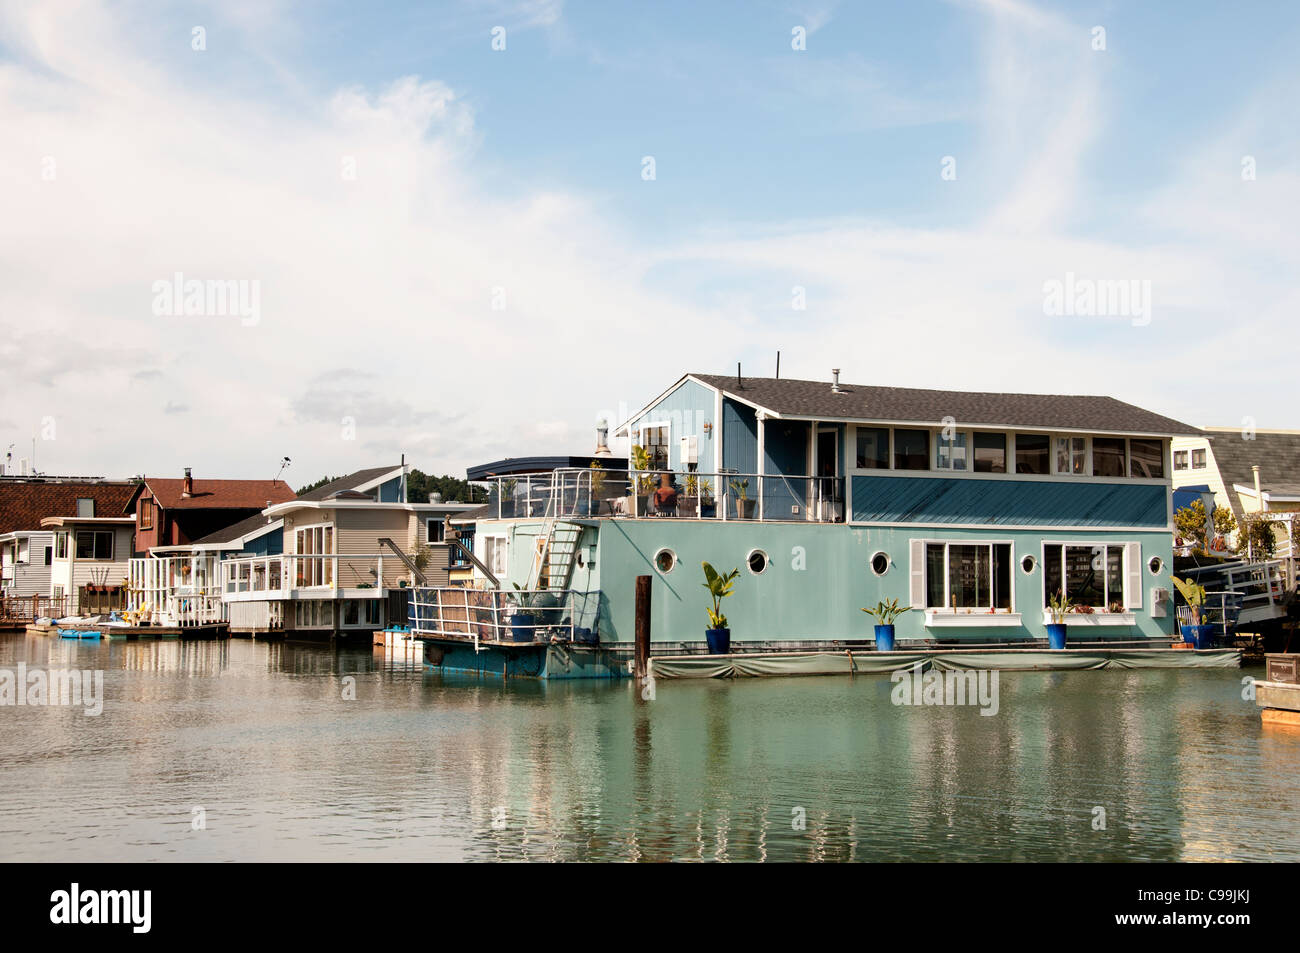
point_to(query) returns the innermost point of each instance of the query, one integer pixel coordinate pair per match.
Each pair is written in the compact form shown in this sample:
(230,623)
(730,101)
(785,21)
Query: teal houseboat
(971,509)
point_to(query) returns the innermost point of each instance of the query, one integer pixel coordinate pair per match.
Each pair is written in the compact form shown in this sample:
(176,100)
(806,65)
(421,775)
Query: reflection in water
(311,752)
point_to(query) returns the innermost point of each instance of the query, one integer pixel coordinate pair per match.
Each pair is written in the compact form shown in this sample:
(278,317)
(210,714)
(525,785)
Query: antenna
(284,464)
(778,365)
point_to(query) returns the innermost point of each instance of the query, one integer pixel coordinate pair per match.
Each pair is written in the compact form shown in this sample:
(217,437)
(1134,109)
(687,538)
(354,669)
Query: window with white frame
(654,438)
(1109,456)
(1072,455)
(990,452)
(1146,459)
(873,448)
(61,546)
(1198,459)
(314,542)
(434,529)
(495,551)
(950,449)
(95,544)
(1180,459)
(965,575)
(1089,574)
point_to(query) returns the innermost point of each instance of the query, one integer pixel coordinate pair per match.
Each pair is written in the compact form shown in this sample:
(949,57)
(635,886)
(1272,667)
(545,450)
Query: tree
(1257,534)
(419,485)
(319,483)
(1189,523)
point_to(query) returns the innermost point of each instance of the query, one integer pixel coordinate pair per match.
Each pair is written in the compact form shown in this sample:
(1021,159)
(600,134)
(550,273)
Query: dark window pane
(85,545)
(1051,573)
(990,452)
(911,450)
(1115,577)
(1033,453)
(968,576)
(1108,456)
(1084,579)
(1002,575)
(1198,459)
(934,575)
(1180,459)
(873,448)
(1146,459)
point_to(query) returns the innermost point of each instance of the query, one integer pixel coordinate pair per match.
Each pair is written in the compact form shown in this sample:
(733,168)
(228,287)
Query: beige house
(90,562)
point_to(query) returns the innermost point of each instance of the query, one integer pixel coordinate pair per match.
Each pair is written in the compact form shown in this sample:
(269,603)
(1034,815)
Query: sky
(470,229)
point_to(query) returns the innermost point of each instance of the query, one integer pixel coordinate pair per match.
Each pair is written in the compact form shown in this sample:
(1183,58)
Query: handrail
(406,560)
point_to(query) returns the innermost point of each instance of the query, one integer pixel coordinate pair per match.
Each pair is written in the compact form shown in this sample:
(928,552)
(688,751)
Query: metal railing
(20,609)
(494,615)
(576,493)
(1260,586)
(278,576)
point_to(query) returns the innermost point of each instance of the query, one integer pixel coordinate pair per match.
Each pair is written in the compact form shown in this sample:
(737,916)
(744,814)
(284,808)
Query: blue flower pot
(719,641)
(884,638)
(1056,635)
(521,626)
(1201,636)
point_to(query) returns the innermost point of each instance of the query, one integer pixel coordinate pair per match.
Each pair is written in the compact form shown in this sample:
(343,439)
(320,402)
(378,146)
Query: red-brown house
(171,512)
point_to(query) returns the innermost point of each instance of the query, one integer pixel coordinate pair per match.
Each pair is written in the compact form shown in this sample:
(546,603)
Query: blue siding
(391,492)
(1007,502)
(785,452)
(685,408)
(268,544)
(739,437)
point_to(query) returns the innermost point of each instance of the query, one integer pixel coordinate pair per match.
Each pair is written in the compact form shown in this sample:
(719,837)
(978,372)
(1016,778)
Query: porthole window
(1155,565)
(757,560)
(1028,564)
(665,560)
(880,564)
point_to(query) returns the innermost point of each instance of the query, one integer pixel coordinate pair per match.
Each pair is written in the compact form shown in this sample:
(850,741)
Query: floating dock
(215,631)
(1278,695)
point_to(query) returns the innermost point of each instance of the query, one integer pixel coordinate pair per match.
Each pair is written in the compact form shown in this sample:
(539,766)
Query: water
(421,767)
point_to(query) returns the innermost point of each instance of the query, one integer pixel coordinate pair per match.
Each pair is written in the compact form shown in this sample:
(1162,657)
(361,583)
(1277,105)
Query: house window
(1092,575)
(873,448)
(990,452)
(1108,457)
(1072,455)
(314,541)
(146,514)
(950,450)
(1146,459)
(434,528)
(911,450)
(1180,459)
(968,576)
(96,544)
(495,550)
(85,508)
(61,546)
(1198,459)
(655,441)
(49,555)
(351,612)
(466,539)
(1033,453)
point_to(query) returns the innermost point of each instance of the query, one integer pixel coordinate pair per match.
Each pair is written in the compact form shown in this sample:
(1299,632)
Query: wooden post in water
(641,657)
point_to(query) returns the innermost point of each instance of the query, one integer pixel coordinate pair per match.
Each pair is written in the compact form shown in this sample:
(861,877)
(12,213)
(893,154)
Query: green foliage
(740,488)
(719,587)
(317,485)
(419,485)
(1059,604)
(645,485)
(886,612)
(1189,522)
(1257,534)
(1193,593)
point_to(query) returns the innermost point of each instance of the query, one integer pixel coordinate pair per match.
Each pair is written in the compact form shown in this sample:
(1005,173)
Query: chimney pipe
(188,490)
(835,380)
(738,385)
(1259,496)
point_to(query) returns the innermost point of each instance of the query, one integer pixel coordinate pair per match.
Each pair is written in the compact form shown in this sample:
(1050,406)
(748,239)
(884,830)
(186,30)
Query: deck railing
(576,493)
(495,615)
(275,577)
(15,610)
(1259,587)
(175,591)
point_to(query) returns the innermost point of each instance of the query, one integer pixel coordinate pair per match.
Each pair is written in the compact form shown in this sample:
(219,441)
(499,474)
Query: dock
(219,630)
(1278,695)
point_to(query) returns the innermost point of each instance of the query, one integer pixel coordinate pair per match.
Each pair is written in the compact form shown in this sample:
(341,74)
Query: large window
(1033,453)
(911,449)
(146,514)
(950,450)
(990,452)
(495,550)
(1108,457)
(96,544)
(433,529)
(1198,459)
(1091,575)
(656,445)
(1146,459)
(1180,459)
(873,448)
(314,541)
(61,546)
(968,576)
(1072,455)
(85,507)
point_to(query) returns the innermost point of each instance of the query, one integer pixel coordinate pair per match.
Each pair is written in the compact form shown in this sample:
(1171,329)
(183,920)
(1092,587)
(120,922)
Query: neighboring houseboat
(971,509)
(27,549)
(91,563)
(350,550)
(176,512)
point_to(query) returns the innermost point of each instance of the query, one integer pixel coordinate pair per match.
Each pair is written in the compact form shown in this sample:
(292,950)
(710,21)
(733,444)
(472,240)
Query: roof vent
(435,497)
(602,435)
(188,491)
(835,381)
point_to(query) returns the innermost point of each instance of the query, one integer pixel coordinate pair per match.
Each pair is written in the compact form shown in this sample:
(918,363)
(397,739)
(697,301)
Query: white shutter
(1132,575)
(918,573)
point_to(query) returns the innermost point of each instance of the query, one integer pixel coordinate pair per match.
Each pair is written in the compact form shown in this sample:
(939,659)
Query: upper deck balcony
(634,494)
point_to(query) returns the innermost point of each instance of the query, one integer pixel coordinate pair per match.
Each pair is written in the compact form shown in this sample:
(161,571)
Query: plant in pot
(1198,633)
(523,621)
(744,505)
(885,613)
(597,488)
(643,486)
(718,635)
(688,503)
(507,497)
(708,505)
(1058,604)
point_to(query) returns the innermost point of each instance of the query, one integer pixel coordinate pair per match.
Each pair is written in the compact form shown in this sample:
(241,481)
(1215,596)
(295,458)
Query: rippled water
(420,766)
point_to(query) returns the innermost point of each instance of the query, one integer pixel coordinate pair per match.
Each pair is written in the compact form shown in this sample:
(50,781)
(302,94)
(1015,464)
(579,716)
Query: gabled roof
(236,534)
(1276,453)
(361,481)
(24,503)
(215,494)
(787,397)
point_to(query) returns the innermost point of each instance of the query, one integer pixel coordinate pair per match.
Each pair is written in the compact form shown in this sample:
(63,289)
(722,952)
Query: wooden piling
(641,660)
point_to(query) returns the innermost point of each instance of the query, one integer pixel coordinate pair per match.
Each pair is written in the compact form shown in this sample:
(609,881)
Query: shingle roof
(1276,454)
(218,494)
(234,531)
(351,481)
(861,402)
(23,504)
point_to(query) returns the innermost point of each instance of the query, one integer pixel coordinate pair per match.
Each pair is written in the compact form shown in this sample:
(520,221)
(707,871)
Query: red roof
(23,504)
(219,494)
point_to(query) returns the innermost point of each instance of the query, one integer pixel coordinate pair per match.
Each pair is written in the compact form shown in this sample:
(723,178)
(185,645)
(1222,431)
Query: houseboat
(972,510)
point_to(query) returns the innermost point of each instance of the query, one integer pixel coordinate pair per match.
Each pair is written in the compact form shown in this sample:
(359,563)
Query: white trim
(976,618)
(655,561)
(767,561)
(1092,544)
(625,428)
(1017,527)
(1093,618)
(947,589)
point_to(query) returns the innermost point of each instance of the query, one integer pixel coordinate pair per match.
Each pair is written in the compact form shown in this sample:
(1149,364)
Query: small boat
(79,634)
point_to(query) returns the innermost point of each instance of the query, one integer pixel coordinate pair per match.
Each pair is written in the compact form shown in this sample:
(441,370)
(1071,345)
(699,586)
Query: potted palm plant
(688,503)
(506,489)
(708,505)
(1058,604)
(1198,633)
(718,635)
(885,613)
(523,621)
(744,505)
(643,486)
(597,488)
